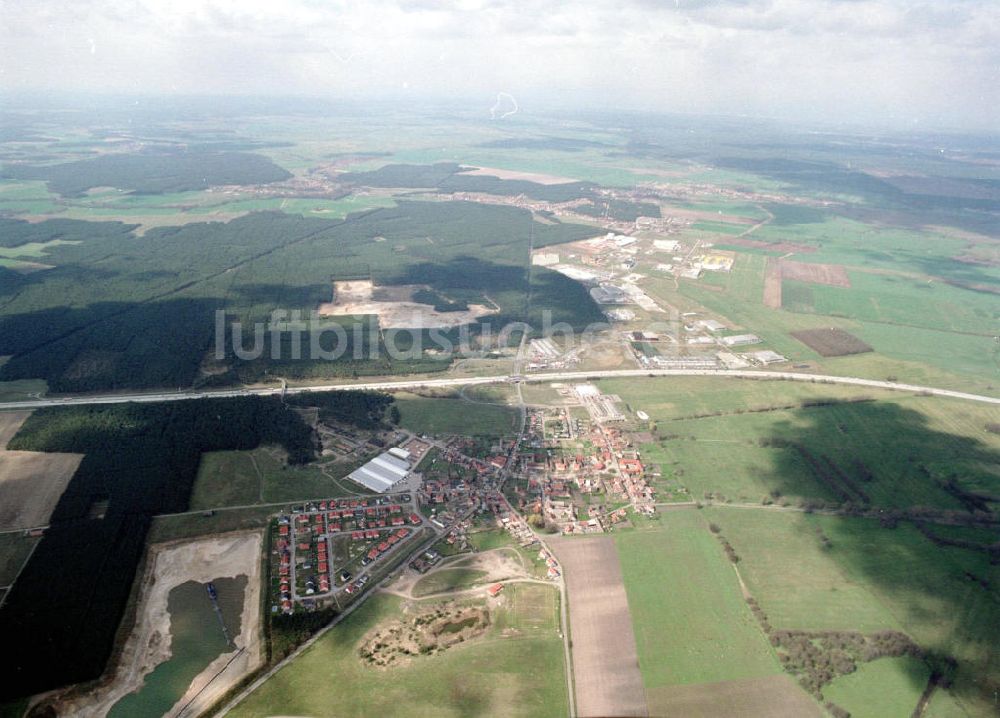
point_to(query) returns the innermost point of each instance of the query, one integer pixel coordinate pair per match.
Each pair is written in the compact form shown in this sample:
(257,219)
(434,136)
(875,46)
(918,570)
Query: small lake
(196,640)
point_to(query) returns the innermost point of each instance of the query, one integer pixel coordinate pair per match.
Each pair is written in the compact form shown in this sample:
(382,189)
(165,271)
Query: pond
(197,639)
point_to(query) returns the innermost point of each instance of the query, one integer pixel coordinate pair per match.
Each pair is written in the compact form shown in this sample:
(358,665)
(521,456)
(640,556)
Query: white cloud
(862,59)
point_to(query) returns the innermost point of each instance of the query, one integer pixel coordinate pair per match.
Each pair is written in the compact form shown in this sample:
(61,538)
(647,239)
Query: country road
(93,399)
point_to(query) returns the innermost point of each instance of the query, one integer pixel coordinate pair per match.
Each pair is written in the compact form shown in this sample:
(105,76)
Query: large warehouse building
(384,472)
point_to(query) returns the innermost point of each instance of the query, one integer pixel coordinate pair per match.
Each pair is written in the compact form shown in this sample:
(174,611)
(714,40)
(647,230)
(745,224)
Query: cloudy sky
(931,64)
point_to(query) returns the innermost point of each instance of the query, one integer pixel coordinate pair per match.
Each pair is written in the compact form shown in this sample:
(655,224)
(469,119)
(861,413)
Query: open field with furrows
(831,342)
(30,482)
(825,573)
(769,697)
(779,270)
(515,669)
(690,621)
(605,663)
(10,423)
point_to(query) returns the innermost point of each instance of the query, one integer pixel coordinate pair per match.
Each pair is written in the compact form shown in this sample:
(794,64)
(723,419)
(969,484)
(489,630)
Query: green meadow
(516,669)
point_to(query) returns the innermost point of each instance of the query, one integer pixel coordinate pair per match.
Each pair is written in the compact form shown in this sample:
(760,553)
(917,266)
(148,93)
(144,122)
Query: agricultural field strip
(605,662)
(495,379)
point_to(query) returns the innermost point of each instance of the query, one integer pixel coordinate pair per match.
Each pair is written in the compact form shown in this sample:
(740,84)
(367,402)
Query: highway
(542,377)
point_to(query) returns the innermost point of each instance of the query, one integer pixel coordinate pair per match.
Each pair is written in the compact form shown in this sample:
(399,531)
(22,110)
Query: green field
(684,397)
(922,329)
(447,579)
(174,527)
(490,539)
(455,416)
(720,227)
(799,584)
(516,669)
(21,389)
(226,478)
(881,689)
(741,444)
(814,572)
(690,622)
(871,578)
(243,478)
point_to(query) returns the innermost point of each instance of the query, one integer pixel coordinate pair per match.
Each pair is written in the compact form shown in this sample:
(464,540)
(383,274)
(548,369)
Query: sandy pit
(537,177)
(31,482)
(433,631)
(394,306)
(148,645)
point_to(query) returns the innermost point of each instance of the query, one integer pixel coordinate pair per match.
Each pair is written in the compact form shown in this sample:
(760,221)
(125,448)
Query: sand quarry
(168,566)
(31,482)
(395,307)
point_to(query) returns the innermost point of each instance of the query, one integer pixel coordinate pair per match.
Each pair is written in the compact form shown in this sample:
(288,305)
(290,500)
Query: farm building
(666,245)
(610,294)
(765,357)
(383,472)
(709,324)
(740,340)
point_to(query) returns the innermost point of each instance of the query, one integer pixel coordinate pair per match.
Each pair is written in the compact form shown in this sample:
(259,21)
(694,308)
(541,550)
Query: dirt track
(31,482)
(772,283)
(605,661)
(502,564)
(148,645)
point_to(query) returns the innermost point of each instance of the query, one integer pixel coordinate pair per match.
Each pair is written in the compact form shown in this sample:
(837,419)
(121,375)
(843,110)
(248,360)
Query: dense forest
(120,311)
(451,177)
(363,409)
(139,460)
(16,232)
(152,173)
(619,209)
